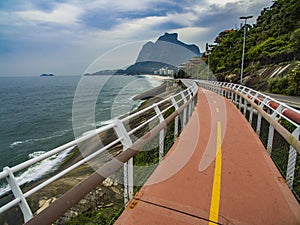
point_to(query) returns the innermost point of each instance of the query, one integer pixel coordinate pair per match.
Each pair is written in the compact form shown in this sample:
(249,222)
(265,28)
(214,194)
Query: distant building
(164,71)
(195,60)
(182,66)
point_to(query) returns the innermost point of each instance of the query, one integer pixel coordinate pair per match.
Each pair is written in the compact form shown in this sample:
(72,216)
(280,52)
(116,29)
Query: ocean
(36,114)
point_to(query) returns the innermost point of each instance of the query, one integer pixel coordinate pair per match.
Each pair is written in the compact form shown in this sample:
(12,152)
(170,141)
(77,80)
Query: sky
(65,37)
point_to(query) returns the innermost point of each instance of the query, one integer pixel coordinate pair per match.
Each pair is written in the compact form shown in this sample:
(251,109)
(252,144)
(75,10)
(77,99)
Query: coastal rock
(47,75)
(44,203)
(167,51)
(108,182)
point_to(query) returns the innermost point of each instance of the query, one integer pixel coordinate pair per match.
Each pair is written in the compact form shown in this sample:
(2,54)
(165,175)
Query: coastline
(48,194)
(158,77)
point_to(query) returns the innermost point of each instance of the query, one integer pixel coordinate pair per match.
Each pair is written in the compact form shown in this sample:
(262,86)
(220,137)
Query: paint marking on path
(217,110)
(215,198)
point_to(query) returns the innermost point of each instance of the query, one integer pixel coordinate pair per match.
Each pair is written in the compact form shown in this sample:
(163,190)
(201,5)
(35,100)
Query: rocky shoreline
(109,195)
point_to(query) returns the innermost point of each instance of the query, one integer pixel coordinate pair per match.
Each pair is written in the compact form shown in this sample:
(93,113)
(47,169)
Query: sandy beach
(157,77)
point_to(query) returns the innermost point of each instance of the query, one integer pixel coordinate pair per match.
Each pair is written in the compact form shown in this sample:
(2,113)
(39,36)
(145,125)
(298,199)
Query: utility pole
(244,43)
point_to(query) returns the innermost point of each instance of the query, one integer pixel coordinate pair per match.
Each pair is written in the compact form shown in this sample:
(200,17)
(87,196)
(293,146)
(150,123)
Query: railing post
(190,104)
(292,161)
(176,118)
(236,97)
(241,99)
(128,167)
(195,98)
(184,111)
(245,103)
(17,192)
(251,108)
(223,92)
(270,139)
(231,94)
(161,133)
(271,131)
(258,125)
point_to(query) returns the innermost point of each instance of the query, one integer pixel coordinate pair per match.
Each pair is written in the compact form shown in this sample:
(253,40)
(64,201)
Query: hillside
(274,41)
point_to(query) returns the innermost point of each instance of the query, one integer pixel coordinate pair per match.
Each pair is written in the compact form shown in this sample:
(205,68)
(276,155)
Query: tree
(181,74)
(294,80)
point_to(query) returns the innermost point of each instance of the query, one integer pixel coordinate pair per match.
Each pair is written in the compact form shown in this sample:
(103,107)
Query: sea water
(36,114)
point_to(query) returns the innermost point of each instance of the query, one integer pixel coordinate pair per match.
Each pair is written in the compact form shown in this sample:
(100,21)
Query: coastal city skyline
(65,37)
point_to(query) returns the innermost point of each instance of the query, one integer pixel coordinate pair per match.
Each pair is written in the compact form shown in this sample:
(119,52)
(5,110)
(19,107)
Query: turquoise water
(36,113)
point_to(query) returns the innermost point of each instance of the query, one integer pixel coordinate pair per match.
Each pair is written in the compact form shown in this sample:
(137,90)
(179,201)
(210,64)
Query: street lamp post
(244,43)
(208,52)
(208,65)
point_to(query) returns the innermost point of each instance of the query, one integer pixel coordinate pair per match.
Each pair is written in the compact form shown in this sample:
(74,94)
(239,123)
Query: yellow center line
(215,198)
(217,110)
(215,102)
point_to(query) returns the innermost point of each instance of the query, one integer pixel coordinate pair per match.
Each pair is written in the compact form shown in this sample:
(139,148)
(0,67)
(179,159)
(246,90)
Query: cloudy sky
(66,36)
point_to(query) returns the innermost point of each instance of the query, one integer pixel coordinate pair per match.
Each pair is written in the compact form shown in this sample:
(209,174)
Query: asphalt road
(292,101)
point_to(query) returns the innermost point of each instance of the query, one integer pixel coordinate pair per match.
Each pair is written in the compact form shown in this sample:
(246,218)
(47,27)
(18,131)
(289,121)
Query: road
(293,101)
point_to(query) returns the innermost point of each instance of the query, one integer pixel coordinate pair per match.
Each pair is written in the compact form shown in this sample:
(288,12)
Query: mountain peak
(168,49)
(173,37)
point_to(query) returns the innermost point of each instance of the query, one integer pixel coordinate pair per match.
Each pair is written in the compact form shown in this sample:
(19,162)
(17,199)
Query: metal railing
(126,133)
(269,118)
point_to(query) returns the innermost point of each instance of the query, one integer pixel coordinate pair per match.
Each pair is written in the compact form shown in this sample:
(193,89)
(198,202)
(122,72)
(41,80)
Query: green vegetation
(181,74)
(288,85)
(104,216)
(274,39)
(70,156)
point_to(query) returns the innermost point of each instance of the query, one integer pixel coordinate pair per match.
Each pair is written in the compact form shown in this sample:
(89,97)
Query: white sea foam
(55,135)
(39,169)
(16,143)
(98,124)
(35,154)
(103,123)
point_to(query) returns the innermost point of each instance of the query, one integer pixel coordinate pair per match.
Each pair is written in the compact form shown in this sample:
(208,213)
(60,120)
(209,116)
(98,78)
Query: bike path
(217,172)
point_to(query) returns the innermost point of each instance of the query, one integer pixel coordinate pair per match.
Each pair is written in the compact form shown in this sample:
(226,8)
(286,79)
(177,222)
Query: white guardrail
(186,98)
(268,108)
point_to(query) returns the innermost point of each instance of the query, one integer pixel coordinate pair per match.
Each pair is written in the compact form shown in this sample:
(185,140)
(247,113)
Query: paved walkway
(217,172)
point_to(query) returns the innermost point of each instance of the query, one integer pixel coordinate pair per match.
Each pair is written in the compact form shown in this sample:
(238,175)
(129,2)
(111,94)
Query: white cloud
(220,2)
(185,19)
(62,33)
(194,35)
(64,14)
(121,5)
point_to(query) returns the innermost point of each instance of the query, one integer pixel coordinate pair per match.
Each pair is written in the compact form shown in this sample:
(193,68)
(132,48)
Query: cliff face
(169,50)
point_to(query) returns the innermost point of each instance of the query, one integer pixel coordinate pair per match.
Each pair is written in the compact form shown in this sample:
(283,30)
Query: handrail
(184,99)
(268,108)
(60,206)
(262,98)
